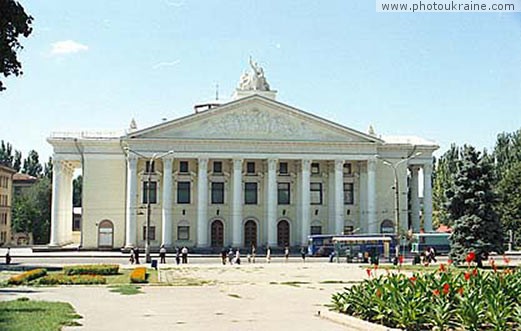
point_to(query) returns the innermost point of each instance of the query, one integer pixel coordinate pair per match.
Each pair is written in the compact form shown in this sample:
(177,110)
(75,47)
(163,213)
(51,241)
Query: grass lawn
(125,289)
(24,314)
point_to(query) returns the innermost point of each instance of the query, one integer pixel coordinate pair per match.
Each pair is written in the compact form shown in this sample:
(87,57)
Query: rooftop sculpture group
(254,80)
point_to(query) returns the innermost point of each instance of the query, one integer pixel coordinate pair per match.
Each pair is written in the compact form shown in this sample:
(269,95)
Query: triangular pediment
(254,118)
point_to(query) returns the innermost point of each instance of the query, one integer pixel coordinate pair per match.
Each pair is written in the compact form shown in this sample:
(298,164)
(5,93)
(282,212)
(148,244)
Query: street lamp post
(151,160)
(394,166)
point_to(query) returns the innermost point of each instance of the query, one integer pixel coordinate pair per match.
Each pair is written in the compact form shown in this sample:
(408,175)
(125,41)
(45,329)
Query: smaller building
(6,198)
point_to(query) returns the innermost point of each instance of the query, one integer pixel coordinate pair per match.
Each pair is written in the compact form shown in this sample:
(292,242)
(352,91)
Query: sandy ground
(277,296)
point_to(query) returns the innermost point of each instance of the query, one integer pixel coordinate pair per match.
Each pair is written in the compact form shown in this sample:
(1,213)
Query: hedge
(92,269)
(26,276)
(72,280)
(138,275)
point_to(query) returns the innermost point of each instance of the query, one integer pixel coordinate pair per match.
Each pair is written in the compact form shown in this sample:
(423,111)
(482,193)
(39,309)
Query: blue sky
(449,77)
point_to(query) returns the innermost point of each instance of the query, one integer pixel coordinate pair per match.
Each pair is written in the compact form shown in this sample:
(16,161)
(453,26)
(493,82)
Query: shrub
(27,276)
(138,275)
(93,269)
(442,300)
(72,280)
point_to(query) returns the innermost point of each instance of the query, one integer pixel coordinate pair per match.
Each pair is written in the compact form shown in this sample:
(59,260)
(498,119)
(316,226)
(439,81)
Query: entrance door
(217,234)
(283,233)
(105,234)
(250,234)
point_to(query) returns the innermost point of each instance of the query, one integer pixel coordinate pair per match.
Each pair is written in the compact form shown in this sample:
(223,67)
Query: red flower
(446,288)
(412,279)
(368,272)
(467,275)
(460,291)
(470,257)
(436,292)
(375,267)
(506,259)
(449,261)
(475,272)
(378,293)
(400,259)
(442,267)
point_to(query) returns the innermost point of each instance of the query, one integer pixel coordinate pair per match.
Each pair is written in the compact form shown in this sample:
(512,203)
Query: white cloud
(67,47)
(166,64)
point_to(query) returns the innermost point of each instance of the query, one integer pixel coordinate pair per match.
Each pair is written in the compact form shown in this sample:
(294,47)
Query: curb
(352,322)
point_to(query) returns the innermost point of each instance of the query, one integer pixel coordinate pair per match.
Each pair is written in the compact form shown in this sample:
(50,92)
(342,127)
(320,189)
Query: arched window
(217,233)
(105,234)
(387,226)
(283,233)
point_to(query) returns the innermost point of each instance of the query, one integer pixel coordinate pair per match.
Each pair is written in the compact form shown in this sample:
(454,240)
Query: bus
(423,241)
(323,244)
(360,248)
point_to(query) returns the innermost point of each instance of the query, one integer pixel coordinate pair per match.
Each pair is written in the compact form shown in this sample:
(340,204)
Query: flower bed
(26,276)
(138,275)
(93,269)
(446,299)
(72,280)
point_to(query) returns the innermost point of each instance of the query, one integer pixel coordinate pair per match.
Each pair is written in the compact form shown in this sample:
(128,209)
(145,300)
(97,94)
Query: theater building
(250,171)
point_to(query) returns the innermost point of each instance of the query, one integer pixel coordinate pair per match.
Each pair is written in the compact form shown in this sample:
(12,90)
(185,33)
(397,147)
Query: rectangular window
(348,169)
(283,168)
(250,193)
(283,196)
(149,167)
(217,193)
(183,232)
(315,193)
(183,192)
(183,166)
(151,235)
(348,194)
(76,223)
(152,192)
(217,167)
(250,168)
(316,229)
(315,168)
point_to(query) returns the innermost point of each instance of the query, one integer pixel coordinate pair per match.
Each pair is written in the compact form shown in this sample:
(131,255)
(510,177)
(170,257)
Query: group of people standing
(181,255)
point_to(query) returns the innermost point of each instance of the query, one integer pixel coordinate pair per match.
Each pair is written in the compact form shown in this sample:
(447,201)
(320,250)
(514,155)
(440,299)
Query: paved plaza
(210,296)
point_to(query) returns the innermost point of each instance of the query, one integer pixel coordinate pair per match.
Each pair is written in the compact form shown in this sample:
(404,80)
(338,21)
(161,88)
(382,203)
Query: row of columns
(427,198)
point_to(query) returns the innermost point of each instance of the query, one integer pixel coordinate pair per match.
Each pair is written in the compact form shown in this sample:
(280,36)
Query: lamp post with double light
(395,166)
(150,160)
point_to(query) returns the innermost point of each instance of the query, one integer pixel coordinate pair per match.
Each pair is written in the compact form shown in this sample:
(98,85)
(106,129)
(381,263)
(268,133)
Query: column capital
(202,162)
(371,163)
(306,164)
(414,168)
(132,160)
(168,160)
(339,165)
(272,164)
(237,164)
(427,168)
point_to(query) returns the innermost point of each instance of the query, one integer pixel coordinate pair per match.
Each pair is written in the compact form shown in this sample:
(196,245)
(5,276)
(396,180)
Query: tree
(17,163)
(14,22)
(509,190)
(444,168)
(32,164)
(507,152)
(471,205)
(6,153)
(47,172)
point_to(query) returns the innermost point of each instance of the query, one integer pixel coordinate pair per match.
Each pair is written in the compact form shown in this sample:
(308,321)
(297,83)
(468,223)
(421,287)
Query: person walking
(136,255)
(303,253)
(8,256)
(230,256)
(184,254)
(223,256)
(162,254)
(237,257)
(132,254)
(177,256)
(286,253)
(268,255)
(253,253)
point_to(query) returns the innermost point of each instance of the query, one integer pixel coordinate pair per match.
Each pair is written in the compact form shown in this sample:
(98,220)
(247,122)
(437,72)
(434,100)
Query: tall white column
(371,196)
(55,203)
(272,202)
(427,197)
(415,200)
(305,200)
(237,203)
(67,204)
(362,196)
(339,196)
(202,203)
(166,235)
(130,232)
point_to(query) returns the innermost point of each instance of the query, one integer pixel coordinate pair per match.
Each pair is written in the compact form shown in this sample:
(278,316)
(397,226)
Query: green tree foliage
(32,211)
(507,152)
(17,163)
(471,204)
(76,191)
(14,22)
(47,172)
(6,154)
(32,164)
(509,190)
(445,167)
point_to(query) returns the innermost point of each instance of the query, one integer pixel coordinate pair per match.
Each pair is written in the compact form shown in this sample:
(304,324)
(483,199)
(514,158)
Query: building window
(283,168)
(217,167)
(3,236)
(76,223)
(151,235)
(250,168)
(316,229)
(152,192)
(387,226)
(183,192)
(348,194)
(315,193)
(217,193)
(315,168)
(348,169)
(183,232)
(150,167)
(183,166)
(283,196)
(250,193)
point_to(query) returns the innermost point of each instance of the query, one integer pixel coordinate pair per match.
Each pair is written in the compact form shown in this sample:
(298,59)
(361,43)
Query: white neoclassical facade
(250,171)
